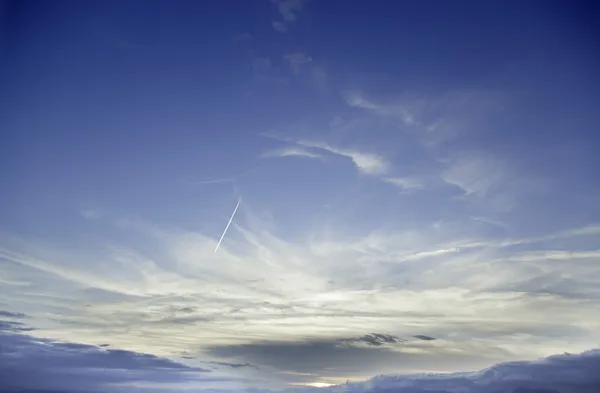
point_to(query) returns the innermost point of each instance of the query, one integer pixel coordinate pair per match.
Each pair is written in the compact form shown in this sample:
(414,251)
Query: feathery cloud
(369,163)
(288,10)
(366,162)
(434,119)
(293,151)
(178,296)
(406,184)
(296,61)
(482,176)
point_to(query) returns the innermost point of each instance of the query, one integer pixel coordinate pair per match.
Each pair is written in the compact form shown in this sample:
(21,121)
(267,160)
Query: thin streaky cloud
(402,112)
(366,162)
(288,10)
(490,221)
(280,26)
(291,152)
(406,184)
(369,163)
(297,60)
(224,180)
(92,214)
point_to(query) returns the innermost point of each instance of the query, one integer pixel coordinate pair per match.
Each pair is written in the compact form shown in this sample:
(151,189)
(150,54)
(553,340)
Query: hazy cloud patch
(288,10)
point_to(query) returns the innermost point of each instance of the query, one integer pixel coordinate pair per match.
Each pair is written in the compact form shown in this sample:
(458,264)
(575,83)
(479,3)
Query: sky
(300,196)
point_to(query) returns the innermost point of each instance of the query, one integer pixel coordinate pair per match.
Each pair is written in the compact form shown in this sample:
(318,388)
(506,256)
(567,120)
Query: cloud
(291,152)
(567,373)
(69,273)
(422,337)
(365,162)
(400,111)
(475,174)
(296,61)
(336,359)
(8,314)
(435,119)
(34,363)
(406,184)
(11,326)
(234,365)
(442,127)
(484,177)
(92,214)
(288,10)
(170,293)
(373,339)
(369,163)
(280,26)
(264,72)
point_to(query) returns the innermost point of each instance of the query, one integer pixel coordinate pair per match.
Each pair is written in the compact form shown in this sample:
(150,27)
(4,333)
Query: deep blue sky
(390,157)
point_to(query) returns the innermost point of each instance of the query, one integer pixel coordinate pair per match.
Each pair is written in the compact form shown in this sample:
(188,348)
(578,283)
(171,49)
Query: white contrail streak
(228,224)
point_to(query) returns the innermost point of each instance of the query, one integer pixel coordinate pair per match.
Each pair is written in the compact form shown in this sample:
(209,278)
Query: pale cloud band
(291,152)
(366,162)
(397,286)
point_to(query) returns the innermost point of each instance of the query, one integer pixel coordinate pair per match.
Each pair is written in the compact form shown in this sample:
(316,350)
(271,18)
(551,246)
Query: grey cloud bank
(35,363)
(43,365)
(567,373)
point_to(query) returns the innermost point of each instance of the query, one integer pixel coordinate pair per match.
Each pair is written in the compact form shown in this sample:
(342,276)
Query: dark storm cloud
(33,363)
(555,374)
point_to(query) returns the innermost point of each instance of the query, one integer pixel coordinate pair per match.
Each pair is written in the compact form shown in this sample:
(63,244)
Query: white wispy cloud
(490,221)
(369,163)
(434,119)
(401,111)
(92,214)
(397,284)
(406,184)
(366,162)
(297,60)
(482,176)
(265,72)
(293,151)
(475,174)
(288,10)
(280,26)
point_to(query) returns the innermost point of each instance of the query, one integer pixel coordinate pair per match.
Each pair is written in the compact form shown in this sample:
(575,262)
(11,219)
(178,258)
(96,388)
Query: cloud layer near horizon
(48,365)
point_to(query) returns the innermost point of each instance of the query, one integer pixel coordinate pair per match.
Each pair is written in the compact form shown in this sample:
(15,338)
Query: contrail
(228,224)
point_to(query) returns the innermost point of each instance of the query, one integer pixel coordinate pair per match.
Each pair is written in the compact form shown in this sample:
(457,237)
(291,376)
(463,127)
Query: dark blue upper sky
(387,156)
